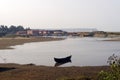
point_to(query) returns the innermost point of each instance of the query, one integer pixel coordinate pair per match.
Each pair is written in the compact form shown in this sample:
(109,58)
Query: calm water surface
(84,51)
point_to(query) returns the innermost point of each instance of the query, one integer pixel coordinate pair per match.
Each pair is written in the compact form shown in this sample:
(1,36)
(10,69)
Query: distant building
(85,34)
(21,33)
(42,32)
(59,33)
(33,32)
(100,34)
(80,32)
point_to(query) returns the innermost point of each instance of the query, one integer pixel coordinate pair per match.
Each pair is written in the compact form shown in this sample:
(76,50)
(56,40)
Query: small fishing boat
(63,60)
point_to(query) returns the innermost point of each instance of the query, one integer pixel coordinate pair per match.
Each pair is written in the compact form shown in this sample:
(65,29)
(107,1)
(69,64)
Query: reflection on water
(85,52)
(59,64)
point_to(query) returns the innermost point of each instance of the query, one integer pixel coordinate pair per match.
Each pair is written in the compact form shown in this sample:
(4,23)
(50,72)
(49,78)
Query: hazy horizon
(103,15)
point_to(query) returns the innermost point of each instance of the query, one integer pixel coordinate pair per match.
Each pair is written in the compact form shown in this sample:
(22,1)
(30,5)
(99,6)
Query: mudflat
(5,43)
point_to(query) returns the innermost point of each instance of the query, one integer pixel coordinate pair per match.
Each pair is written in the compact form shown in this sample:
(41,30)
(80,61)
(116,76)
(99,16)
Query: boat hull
(63,60)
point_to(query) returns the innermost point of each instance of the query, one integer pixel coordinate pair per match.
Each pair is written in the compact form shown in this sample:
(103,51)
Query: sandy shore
(5,43)
(32,72)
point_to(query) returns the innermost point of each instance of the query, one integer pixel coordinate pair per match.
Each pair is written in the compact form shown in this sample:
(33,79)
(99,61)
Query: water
(84,51)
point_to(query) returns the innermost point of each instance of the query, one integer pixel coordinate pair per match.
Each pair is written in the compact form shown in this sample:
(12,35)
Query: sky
(42,14)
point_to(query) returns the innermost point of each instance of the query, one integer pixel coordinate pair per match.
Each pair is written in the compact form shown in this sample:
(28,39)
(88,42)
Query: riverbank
(5,43)
(113,39)
(33,72)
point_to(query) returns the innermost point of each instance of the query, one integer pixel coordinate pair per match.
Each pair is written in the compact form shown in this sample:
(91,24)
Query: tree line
(5,30)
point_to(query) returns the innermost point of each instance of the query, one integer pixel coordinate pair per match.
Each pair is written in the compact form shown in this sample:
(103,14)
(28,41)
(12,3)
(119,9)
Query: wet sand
(5,43)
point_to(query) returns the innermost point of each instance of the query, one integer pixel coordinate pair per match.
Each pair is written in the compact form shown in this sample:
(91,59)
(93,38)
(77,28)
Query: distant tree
(19,28)
(6,29)
(3,30)
(12,29)
(27,28)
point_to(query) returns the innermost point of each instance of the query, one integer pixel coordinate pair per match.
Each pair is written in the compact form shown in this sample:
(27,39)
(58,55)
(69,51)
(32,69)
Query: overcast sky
(100,14)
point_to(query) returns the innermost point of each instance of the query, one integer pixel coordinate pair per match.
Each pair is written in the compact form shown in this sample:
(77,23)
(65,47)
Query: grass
(33,72)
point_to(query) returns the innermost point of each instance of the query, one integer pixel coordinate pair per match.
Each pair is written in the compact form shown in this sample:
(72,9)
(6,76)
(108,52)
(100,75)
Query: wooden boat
(63,60)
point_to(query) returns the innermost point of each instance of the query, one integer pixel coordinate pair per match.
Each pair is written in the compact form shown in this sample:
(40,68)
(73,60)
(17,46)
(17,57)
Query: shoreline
(6,43)
(113,39)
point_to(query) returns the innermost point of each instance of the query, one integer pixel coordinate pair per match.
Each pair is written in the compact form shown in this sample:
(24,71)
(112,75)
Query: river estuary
(84,51)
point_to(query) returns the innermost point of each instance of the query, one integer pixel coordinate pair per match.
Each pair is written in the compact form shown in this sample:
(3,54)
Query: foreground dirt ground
(33,72)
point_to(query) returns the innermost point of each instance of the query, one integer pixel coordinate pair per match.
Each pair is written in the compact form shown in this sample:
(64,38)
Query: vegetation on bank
(114,73)
(6,31)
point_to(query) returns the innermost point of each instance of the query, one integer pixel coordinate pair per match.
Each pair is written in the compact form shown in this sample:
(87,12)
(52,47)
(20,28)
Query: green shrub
(114,73)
